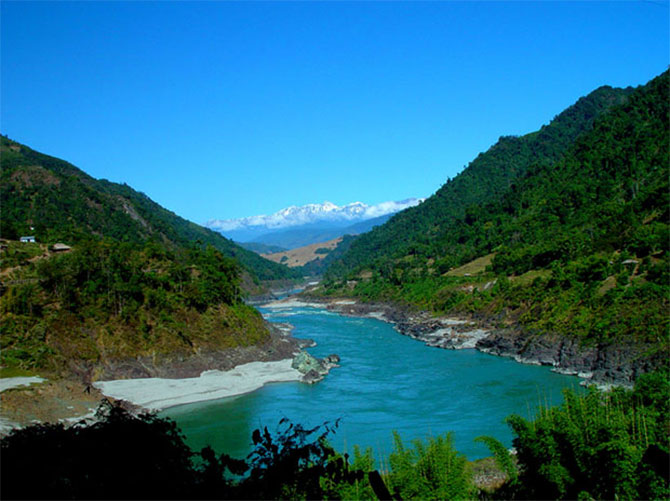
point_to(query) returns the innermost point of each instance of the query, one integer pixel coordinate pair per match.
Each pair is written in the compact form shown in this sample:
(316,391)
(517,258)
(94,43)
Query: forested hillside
(107,301)
(63,203)
(421,229)
(574,240)
(140,289)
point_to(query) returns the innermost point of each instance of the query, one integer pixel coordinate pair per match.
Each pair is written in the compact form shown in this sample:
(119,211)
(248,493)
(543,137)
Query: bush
(429,471)
(601,445)
(119,457)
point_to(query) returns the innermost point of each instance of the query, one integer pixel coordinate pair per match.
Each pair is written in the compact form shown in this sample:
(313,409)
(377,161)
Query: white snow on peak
(313,213)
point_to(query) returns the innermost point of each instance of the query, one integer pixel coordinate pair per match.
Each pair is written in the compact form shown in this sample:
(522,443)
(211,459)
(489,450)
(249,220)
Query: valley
(548,251)
(385,382)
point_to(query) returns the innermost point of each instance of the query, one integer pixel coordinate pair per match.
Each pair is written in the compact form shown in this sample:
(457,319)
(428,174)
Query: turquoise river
(386,382)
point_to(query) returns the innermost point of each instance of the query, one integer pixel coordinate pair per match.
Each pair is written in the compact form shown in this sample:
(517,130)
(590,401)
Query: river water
(386,382)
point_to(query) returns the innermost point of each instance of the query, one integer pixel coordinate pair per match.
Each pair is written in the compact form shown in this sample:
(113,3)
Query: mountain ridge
(486,178)
(573,252)
(325,214)
(62,202)
(308,234)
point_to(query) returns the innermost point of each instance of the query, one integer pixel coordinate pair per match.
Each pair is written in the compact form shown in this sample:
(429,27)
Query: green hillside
(106,301)
(63,203)
(138,281)
(575,239)
(421,229)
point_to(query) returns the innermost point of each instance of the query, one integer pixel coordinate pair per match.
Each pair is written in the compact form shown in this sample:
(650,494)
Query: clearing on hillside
(303,255)
(472,268)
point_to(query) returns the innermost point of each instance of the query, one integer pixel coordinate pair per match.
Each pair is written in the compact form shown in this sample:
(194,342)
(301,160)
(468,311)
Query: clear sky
(231,109)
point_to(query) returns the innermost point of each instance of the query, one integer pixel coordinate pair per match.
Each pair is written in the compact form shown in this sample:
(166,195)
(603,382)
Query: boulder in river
(304,362)
(313,368)
(332,360)
(312,377)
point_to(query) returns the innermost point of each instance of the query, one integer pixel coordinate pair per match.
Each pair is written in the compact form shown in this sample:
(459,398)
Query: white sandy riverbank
(159,393)
(291,302)
(14,382)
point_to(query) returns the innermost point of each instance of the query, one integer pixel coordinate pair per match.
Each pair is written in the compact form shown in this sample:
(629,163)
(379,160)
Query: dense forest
(63,203)
(134,280)
(572,238)
(594,446)
(110,300)
(421,229)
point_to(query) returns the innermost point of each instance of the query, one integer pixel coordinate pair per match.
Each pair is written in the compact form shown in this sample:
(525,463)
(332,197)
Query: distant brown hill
(303,255)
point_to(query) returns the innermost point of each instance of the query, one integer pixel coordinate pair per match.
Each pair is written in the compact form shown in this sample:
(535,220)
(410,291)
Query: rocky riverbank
(151,383)
(604,364)
(280,345)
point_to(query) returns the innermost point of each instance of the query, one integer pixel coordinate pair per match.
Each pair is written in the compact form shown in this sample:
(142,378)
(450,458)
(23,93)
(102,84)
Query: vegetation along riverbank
(115,286)
(557,241)
(551,248)
(595,446)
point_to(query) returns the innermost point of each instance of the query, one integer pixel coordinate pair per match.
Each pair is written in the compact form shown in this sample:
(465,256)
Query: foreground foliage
(434,470)
(597,446)
(594,446)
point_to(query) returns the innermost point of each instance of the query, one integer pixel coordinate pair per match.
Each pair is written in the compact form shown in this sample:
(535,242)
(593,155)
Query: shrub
(429,471)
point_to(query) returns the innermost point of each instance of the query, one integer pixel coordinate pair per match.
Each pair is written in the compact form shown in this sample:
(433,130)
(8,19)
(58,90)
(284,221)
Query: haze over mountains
(297,226)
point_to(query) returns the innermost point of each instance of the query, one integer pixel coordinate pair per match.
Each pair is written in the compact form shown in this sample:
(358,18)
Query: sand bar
(159,393)
(291,303)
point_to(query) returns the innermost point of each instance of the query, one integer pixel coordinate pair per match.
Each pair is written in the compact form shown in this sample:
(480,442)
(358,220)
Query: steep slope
(419,229)
(260,248)
(108,309)
(64,203)
(140,292)
(318,266)
(573,251)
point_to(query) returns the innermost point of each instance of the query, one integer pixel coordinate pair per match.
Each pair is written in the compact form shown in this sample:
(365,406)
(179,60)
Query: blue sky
(231,109)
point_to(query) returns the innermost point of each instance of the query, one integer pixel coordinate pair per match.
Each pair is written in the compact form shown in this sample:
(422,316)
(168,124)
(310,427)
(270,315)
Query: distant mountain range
(295,226)
(307,234)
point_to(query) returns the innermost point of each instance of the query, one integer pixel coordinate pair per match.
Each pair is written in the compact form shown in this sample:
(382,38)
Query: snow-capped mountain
(312,213)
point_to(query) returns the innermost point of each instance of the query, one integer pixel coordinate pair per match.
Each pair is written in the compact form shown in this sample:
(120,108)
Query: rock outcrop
(314,369)
(606,364)
(601,363)
(279,346)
